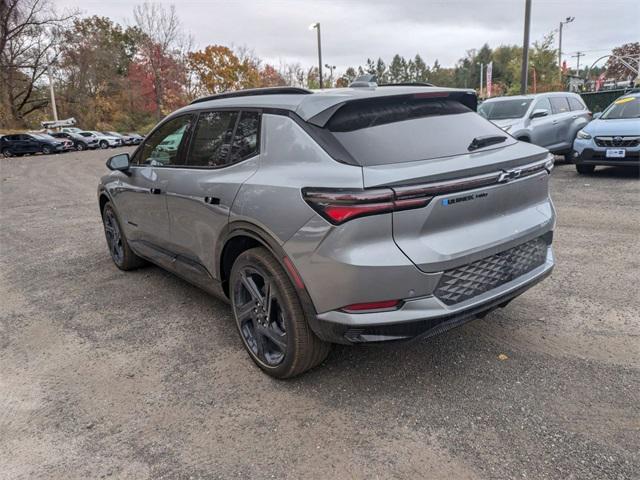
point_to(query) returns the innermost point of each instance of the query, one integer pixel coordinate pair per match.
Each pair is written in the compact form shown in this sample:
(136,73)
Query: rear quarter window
(576,104)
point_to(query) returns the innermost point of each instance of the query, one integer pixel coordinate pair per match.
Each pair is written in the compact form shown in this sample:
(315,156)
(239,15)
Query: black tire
(81,146)
(104,144)
(568,157)
(270,318)
(6,152)
(46,150)
(121,253)
(585,169)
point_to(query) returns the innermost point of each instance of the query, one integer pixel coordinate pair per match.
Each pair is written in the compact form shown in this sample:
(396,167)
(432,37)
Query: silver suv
(550,120)
(362,214)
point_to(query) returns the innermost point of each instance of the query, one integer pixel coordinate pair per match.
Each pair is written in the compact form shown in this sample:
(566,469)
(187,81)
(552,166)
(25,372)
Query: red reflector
(341,213)
(386,305)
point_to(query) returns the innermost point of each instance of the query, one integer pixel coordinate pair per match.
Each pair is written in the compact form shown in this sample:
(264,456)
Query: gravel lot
(141,375)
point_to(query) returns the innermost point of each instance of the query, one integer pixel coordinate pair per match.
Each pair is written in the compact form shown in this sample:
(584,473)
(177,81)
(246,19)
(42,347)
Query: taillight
(339,206)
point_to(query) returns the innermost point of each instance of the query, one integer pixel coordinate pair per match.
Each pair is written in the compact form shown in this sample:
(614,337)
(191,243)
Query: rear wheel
(121,253)
(104,144)
(80,146)
(270,318)
(46,149)
(6,152)
(585,169)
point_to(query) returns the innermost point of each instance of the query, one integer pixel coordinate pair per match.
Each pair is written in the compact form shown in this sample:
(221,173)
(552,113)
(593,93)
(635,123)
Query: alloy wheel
(260,316)
(114,237)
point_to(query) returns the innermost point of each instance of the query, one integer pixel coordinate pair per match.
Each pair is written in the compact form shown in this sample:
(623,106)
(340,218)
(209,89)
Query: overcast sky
(353,30)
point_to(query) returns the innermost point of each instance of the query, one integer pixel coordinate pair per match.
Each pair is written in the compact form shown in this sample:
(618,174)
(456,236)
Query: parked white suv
(550,120)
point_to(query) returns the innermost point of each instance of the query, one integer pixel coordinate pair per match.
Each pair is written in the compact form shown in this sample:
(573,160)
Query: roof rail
(406,84)
(255,91)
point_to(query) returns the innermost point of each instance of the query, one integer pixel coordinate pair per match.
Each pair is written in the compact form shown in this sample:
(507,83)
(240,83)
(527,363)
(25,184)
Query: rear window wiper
(485,141)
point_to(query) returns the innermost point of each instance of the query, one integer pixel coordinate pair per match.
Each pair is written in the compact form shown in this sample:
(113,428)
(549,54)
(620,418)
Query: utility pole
(525,48)
(317,27)
(578,55)
(53,95)
(566,20)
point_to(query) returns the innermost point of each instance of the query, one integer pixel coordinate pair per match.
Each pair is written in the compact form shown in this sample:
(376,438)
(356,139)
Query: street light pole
(331,69)
(525,48)
(317,27)
(567,20)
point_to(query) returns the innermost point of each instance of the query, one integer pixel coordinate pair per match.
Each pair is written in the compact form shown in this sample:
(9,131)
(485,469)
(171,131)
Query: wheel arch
(244,235)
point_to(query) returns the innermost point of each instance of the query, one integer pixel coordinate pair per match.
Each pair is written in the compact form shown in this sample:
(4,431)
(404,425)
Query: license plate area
(615,153)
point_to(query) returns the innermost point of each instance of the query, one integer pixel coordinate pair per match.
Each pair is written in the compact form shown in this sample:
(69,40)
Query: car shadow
(616,172)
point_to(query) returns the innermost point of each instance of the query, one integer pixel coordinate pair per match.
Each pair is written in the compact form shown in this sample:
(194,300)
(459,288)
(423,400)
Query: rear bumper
(423,317)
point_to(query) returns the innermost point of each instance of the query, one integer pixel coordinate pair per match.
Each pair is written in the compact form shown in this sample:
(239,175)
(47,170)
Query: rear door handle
(155,191)
(555,122)
(212,200)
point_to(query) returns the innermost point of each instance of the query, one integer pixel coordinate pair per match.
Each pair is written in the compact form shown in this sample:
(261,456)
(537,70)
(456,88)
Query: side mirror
(597,115)
(539,112)
(120,162)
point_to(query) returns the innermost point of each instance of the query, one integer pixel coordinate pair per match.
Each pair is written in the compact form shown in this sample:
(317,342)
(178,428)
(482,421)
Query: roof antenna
(366,81)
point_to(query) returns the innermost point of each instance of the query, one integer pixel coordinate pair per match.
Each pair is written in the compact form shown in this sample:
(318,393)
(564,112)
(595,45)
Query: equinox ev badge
(466,198)
(509,175)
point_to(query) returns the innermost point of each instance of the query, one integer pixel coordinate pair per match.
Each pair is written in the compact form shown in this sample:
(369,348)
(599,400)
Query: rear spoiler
(468,98)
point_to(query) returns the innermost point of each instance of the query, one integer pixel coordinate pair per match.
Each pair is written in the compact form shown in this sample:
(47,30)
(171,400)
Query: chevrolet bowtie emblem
(509,175)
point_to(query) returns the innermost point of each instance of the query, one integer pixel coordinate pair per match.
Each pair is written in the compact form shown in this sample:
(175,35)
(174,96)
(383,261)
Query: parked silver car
(550,120)
(613,138)
(340,216)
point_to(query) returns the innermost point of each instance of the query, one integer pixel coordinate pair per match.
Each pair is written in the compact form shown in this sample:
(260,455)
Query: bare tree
(29,32)
(161,44)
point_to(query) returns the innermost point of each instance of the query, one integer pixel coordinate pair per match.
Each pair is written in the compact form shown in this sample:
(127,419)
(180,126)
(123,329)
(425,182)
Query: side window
(576,104)
(542,104)
(559,104)
(165,146)
(212,139)
(245,141)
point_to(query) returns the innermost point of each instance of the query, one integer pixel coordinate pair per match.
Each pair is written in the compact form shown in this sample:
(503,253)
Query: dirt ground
(106,374)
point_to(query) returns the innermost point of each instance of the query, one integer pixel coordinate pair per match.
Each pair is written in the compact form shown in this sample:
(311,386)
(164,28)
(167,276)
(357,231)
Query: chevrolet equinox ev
(360,214)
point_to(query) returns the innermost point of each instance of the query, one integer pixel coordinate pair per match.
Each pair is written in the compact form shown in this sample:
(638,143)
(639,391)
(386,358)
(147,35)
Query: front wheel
(80,147)
(121,253)
(270,318)
(46,150)
(104,144)
(585,169)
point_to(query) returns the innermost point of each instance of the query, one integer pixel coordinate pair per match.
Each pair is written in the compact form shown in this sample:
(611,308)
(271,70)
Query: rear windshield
(503,109)
(387,132)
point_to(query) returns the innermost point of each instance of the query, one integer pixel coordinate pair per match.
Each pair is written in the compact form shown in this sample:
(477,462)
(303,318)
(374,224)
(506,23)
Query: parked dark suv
(362,214)
(22,143)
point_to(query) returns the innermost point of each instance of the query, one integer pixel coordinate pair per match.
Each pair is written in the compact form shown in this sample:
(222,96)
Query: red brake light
(383,305)
(339,206)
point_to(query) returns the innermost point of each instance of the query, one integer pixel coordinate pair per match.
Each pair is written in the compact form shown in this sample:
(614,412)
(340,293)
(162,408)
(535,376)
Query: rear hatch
(487,192)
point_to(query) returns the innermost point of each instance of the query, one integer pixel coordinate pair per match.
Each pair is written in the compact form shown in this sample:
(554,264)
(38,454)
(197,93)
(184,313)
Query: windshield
(502,109)
(625,107)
